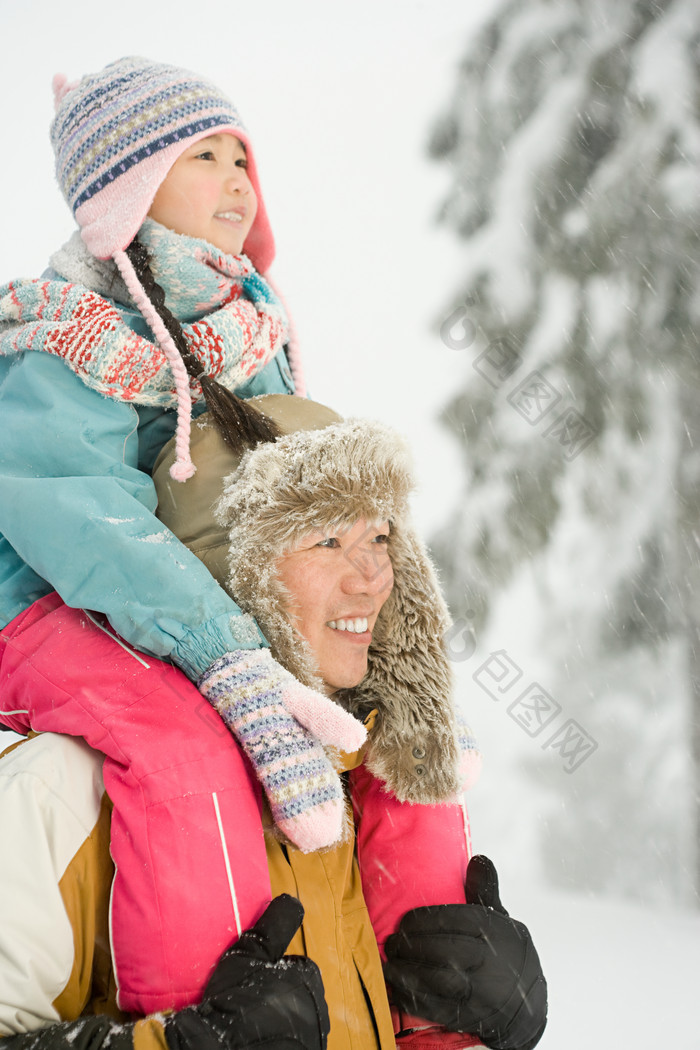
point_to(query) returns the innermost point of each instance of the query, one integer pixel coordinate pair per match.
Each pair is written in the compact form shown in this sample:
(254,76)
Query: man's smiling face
(337,585)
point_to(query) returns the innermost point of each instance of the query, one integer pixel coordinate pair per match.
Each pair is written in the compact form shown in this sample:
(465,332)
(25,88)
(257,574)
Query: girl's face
(207,194)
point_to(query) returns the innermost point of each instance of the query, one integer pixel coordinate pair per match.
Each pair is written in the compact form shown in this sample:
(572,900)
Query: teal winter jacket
(77,512)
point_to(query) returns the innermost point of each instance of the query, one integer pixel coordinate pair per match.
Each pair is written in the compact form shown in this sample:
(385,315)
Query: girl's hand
(281,725)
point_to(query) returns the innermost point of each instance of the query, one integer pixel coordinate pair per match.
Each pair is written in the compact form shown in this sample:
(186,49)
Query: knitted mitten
(470,755)
(281,725)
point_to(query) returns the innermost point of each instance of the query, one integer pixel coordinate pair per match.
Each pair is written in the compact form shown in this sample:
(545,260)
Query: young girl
(156,309)
(105,360)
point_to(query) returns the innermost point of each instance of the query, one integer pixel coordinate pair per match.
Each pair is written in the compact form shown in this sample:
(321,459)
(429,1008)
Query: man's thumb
(482,884)
(269,938)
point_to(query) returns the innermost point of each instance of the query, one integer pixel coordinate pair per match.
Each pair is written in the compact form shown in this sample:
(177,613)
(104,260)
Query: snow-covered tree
(573,139)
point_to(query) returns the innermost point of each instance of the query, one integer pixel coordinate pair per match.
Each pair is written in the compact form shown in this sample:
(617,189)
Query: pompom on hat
(116,134)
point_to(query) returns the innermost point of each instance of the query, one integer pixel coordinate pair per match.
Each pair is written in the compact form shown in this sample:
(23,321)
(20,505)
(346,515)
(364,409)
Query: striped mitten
(281,725)
(470,755)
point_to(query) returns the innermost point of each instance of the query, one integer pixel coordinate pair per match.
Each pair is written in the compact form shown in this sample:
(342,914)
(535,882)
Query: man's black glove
(470,967)
(254,998)
(257,996)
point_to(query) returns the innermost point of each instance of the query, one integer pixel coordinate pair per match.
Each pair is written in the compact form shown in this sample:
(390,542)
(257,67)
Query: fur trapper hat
(325,473)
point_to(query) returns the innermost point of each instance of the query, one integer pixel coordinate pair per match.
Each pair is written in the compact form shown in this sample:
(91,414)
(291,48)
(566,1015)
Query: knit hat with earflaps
(116,134)
(325,473)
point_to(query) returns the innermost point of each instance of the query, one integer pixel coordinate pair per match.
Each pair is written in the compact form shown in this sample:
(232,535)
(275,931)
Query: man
(314,527)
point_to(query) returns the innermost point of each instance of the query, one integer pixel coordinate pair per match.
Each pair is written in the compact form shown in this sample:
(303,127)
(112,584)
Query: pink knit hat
(116,134)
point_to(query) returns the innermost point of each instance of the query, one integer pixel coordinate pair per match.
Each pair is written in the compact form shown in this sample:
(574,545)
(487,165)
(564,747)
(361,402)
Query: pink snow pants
(186,833)
(409,856)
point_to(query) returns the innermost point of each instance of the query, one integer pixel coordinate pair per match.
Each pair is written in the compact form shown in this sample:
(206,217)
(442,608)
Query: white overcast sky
(339,100)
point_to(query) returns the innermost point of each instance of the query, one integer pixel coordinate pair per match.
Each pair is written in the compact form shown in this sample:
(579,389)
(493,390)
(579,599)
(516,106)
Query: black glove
(256,997)
(470,967)
(87,1033)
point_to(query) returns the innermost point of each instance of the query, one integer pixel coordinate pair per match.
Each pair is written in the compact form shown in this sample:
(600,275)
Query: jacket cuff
(196,652)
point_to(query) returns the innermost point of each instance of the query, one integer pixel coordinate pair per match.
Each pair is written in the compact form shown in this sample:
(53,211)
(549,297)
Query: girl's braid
(240,425)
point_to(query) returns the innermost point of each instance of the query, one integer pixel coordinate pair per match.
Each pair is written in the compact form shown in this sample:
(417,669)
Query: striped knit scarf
(235,322)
